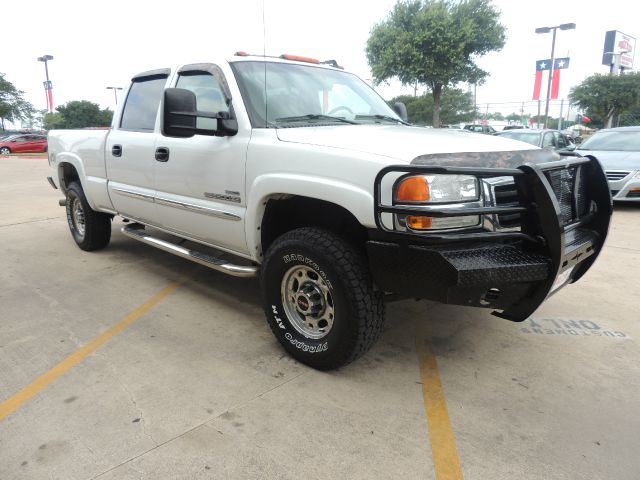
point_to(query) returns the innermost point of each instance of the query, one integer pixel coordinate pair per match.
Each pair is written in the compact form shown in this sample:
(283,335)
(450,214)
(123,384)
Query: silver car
(618,150)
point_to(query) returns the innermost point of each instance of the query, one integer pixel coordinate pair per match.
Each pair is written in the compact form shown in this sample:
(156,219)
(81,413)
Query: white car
(618,150)
(303,175)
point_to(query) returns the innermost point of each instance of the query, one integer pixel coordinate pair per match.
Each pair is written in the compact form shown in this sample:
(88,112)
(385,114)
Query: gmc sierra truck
(296,171)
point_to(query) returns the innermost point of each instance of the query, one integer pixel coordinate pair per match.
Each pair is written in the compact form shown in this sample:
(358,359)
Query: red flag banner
(537,85)
(555,84)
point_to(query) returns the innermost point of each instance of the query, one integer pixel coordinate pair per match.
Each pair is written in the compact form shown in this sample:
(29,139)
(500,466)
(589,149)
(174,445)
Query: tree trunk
(436,91)
(608,119)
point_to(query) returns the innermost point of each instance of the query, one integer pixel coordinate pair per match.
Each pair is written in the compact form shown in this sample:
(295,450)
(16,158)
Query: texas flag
(541,66)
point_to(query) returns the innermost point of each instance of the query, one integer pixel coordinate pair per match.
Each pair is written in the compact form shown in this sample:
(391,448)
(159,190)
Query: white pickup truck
(297,171)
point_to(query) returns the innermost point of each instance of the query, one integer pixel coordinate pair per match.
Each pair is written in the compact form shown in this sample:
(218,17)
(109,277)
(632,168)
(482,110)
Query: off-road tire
(359,308)
(97,225)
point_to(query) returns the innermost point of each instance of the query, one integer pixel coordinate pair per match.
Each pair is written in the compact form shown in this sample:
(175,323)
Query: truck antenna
(264,55)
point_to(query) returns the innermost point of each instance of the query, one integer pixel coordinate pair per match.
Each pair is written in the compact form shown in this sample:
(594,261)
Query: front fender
(356,200)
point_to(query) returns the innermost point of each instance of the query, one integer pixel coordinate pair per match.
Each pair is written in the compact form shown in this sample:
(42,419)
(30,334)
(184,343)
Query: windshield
(300,95)
(529,137)
(613,141)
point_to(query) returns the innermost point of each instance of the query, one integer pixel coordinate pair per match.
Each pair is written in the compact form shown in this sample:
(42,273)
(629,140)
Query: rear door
(200,186)
(130,148)
(39,143)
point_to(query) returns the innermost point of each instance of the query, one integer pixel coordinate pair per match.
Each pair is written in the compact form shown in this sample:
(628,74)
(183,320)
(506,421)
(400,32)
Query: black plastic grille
(507,196)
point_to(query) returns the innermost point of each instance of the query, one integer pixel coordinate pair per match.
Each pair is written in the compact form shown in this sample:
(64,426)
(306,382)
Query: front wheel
(91,230)
(5,151)
(319,298)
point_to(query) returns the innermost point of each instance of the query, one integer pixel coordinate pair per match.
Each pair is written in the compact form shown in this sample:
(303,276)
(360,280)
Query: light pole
(115,93)
(564,26)
(47,85)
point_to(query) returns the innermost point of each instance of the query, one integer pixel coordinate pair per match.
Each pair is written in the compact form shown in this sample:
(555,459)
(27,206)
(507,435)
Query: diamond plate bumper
(561,234)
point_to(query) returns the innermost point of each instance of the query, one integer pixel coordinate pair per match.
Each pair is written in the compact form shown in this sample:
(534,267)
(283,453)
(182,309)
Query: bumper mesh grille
(570,191)
(568,187)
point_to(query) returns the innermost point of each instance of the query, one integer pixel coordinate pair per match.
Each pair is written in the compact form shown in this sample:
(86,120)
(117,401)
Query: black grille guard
(575,245)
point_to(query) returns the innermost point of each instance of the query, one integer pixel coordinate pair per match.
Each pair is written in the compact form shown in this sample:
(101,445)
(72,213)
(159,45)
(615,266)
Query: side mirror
(180,113)
(401,110)
(570,148)
(180,116)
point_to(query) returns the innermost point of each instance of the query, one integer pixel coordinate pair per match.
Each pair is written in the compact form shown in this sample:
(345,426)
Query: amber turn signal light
(419,223)
(413,189)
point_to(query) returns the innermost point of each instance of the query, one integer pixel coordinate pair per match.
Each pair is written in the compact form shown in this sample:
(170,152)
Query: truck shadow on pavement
(407,321)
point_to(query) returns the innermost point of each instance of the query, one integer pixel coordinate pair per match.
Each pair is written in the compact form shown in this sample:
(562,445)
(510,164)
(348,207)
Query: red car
(27,143)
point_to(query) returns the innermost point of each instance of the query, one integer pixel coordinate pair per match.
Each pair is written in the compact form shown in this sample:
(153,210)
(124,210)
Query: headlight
(437,189)
(637,175)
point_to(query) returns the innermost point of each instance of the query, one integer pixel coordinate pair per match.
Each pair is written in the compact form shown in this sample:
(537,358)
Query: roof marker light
(297,58)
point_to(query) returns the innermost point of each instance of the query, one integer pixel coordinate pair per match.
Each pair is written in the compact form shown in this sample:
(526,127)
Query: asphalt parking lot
(131,363)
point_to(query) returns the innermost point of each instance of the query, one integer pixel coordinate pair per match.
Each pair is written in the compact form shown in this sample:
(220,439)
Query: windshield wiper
(315,116)
(382,117)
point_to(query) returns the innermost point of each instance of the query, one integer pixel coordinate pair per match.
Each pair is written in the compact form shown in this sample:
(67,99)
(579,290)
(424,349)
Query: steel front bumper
(513,271)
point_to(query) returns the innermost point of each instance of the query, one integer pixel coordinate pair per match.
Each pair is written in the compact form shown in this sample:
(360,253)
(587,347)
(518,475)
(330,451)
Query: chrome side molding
(136,232)
(214,212)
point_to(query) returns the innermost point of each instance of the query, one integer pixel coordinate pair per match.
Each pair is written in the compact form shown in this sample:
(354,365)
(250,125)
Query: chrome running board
(137,232)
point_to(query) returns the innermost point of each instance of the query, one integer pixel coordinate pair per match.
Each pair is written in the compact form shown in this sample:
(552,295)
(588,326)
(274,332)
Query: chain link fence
(627,120)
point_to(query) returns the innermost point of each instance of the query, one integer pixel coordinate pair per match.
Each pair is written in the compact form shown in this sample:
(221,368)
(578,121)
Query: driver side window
(209,96)
(547,141)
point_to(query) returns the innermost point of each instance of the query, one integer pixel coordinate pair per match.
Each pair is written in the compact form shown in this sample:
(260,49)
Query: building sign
(616,42)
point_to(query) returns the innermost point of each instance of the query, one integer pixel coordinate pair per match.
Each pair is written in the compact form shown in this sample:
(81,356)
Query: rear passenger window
(142,103)
(209,97)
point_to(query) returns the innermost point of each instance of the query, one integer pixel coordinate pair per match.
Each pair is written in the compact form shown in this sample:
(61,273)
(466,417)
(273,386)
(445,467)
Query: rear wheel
(319,298)
(5,151)
(91,230)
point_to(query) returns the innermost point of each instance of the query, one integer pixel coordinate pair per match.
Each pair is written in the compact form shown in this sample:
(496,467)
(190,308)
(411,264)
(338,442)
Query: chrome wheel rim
(77,213)
(5,151)
(307,302)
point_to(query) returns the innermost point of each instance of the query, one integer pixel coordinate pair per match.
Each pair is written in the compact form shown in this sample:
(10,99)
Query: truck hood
(615,160)
(398,141)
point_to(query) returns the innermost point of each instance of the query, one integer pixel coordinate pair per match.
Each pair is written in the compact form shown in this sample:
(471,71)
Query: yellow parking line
(18,399)
(443,444)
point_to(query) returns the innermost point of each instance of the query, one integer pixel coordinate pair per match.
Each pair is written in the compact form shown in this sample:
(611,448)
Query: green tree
(52,121)
(12,105)
(78,114)
(513,117)
(606,96)
(495,116)
(456,107)
(434,43)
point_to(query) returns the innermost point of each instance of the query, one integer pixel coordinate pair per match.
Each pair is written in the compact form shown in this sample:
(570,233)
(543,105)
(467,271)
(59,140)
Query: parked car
(618,150)
(543,138)
(304,177)
(478,128)
(29,143)
(513,127)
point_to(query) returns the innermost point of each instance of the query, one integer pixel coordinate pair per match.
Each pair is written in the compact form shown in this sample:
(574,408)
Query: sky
(96,45)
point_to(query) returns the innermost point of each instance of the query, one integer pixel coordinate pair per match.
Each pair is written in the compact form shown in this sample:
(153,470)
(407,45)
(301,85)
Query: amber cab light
(297,58)
(413,189)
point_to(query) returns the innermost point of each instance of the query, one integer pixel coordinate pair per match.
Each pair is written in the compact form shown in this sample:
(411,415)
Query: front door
(130,149)
(200,186)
